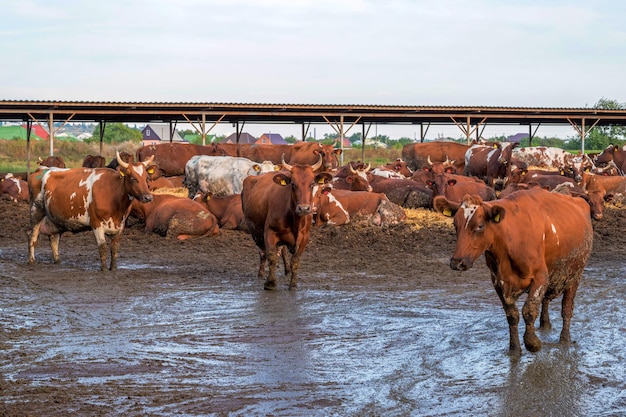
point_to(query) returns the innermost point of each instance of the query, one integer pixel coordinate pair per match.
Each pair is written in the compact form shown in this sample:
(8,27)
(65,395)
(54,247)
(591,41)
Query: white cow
(221,175)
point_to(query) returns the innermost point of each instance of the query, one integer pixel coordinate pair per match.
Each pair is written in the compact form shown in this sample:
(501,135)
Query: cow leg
(512,317)
(272,259)
(54,245)
(544,319)
(102,247)
(567,310)
(115,250)
(283,254)
(530,311)
(262,263)
(32,241)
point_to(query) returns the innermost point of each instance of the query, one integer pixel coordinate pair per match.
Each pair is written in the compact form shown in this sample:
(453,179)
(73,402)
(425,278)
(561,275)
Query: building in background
(155,133)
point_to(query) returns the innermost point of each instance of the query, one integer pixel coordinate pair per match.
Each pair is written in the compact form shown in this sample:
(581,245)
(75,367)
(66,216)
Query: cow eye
(480,227)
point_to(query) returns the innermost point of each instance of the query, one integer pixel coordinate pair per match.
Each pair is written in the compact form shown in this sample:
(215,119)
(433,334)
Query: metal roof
(192,112)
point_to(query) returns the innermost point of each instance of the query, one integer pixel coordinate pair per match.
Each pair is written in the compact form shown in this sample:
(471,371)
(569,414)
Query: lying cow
(338,207)
(82,199)
(15,189)
(221,175)
(535,242)
(278,208)
(172,216)
(226,209)
(455,187)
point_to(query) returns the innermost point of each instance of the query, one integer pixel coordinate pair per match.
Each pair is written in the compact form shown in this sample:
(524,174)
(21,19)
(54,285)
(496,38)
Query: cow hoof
(532,343)
(269,285)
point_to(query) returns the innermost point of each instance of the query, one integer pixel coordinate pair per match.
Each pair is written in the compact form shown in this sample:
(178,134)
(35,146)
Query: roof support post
(423,132)
(468,130)
(363,136)
(203,131)
(582,130)
(102,127)
(305,132)
(29,129)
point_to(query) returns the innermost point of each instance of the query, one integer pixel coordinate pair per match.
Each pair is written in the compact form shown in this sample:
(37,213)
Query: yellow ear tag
(256,168)
(121,174)
(495,146)
(207,198)
(447,212)
(321,181)
(496,218)
(150,171)
(283,182)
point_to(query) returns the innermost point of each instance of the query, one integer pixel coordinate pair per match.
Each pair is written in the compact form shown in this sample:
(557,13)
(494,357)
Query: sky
(392,52)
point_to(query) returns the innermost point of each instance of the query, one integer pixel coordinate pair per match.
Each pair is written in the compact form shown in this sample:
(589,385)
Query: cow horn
(367,168)
(429,161)
(352,170)
(149,161)
(318,165)
(120,160)
(286,165)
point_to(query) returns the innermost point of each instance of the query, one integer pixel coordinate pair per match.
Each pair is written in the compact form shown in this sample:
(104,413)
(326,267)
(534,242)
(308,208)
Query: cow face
(329,156)
(304,185)
(607,154)
(135,177)
(474,221)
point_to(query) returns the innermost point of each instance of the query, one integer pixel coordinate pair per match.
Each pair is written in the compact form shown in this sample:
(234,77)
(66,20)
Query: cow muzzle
(460,264)
(145,198)
(303,209)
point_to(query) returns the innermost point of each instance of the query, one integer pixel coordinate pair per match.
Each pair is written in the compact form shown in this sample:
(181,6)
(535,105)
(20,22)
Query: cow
(490,163)
(226,209)
(94,161)
(356,180)
(535,242)
(82,199)
(454,187)
(172,157)
(172,216)
(395,169)
(553,158)
(338,207)
(418,155)
(221,175)
(52,161)
(614,153)
(601,188)
(404,192)
(15,189)
(124,156)
(278,209)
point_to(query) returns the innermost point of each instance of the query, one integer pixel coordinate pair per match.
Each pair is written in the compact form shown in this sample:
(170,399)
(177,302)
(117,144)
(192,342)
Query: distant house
(517,138)
(243,138)
(271,139)
(155,133)
(38,131)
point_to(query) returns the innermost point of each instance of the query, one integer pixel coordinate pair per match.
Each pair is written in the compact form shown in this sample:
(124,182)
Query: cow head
(329,156)
(474,221)
(135,176)
(304,183)
(358,178)
(607,154)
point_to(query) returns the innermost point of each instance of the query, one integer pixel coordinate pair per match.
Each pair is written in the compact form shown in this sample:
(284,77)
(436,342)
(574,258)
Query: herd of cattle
(528,210)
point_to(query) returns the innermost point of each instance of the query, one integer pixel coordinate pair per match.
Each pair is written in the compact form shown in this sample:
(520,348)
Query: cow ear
(338,151)
(208,196)
(121,171)
(349,180)
(496,214)
(451,182)
(323,178)
(495,146)
(445,207)
(282,179)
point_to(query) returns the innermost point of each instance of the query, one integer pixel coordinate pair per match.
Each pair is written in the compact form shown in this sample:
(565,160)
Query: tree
(601,136)
(117,133)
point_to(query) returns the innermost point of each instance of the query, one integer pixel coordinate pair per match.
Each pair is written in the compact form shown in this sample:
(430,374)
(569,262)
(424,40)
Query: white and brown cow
(15,189)
(81,199)
(535,242)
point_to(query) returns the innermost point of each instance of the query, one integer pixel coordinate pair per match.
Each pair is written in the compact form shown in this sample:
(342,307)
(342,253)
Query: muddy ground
(379,325)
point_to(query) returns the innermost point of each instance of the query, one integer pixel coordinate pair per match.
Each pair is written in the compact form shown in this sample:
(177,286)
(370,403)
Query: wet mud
(379,325)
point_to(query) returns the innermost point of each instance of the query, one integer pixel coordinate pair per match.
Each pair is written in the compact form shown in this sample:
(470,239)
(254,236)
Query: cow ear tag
(121,174)
(150,171)
(495,146)
(283,182)
(447,212)
(496,218)
(256,168)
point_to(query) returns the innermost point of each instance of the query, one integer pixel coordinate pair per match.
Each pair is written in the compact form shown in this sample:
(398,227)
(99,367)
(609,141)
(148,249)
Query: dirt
(44,305)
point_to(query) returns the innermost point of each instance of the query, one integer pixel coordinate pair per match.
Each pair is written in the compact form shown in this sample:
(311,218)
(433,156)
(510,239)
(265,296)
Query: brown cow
(15,189)
(227,209)
(356,180)
(404,192)
(601,188)
(616,154)
(535,242)
(489,163)
(455,187)
(338,207)
(82,199)
(52,161)
(94,161)
(418,155)
(172,157)
(172,216)
(278,208)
